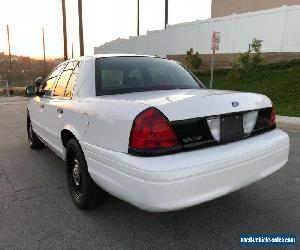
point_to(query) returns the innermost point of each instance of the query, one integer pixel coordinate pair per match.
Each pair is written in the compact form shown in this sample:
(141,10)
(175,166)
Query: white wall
(279,29)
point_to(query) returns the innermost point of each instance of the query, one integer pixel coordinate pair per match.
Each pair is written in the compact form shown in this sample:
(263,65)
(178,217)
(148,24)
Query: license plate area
(231,127)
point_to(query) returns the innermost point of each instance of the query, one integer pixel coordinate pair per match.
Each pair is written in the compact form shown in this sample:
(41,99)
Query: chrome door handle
(42,106)
(60,110)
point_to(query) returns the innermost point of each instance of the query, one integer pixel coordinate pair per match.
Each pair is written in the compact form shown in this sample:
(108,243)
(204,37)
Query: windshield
(115,75)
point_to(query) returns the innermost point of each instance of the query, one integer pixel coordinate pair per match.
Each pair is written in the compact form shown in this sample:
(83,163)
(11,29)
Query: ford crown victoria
(145,129)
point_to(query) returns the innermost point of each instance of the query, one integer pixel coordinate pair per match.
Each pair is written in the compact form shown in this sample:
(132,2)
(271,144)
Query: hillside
(25,69)
(281,82)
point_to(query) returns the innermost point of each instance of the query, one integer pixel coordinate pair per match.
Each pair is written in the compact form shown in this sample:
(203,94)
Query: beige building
(221,8)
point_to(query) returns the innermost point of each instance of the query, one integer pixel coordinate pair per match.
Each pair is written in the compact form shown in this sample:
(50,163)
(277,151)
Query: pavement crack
(31,197)
(3,173)
(29,188)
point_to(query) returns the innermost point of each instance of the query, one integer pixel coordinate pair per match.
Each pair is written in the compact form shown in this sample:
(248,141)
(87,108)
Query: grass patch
(280,82)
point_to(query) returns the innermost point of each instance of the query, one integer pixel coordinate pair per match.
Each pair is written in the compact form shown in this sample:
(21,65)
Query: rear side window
(71,83)
(67,78)
(51,79)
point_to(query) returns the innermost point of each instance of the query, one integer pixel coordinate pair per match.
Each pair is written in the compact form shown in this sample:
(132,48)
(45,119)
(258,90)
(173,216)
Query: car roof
(91,57)
(119,55)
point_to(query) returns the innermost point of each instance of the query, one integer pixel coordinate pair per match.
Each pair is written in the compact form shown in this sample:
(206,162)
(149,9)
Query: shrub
(193,60)
(247,62)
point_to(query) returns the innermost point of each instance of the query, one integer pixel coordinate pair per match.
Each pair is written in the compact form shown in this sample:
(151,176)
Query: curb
(289,123)
(11,99)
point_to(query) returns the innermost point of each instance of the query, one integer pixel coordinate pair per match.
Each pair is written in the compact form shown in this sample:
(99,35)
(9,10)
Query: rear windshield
(115,75)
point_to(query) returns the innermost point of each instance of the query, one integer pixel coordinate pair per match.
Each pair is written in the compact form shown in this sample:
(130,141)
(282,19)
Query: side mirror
(31,91)
(38,81)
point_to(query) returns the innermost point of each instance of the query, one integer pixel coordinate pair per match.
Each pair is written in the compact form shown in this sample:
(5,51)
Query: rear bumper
(185,179)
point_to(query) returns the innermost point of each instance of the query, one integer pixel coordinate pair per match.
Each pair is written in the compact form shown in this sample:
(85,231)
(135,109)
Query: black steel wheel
(33,140)
(84,192)
(76,178)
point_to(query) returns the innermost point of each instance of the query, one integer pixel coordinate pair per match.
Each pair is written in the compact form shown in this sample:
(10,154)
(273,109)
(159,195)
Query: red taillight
(273,116)
(151,130)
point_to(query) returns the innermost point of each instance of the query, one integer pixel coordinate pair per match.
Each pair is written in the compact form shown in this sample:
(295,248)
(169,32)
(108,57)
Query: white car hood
(183,104)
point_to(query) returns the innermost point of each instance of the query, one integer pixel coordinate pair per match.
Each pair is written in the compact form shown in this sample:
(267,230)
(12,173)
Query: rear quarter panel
(108,122)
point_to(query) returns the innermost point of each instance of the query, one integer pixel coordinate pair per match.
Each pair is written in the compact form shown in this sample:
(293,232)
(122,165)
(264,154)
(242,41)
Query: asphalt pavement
(36,211)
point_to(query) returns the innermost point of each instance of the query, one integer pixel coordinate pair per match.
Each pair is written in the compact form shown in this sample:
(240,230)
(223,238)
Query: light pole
(72,51)
(166,13)
(44,52)
(138,17)
(63,7)
(81,41)
(10,63)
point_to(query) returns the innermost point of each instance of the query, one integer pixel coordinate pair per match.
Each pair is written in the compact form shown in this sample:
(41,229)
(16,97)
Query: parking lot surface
(36,211)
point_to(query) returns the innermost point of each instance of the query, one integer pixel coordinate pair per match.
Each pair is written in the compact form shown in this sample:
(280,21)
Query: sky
(103,21)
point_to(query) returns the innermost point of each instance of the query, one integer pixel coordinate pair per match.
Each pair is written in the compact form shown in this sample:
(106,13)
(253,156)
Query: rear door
(59,106)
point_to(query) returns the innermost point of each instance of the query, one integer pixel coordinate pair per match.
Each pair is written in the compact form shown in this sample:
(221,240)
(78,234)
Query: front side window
(50,80)
(115,75)
(48,86)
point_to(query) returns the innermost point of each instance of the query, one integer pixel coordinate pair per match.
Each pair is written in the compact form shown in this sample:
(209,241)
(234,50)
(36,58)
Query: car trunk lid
(182,104)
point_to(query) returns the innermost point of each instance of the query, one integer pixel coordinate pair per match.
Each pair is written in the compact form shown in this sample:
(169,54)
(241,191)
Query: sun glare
(103,21)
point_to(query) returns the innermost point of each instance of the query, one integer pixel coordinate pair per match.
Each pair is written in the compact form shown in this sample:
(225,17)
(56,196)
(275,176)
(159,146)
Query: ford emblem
(235,104)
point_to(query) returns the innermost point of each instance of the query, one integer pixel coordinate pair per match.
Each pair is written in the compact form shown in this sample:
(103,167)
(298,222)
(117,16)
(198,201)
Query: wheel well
(66,135)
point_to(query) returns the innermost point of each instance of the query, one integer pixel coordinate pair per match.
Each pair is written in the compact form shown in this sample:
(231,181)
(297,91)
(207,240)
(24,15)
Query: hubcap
(76,173)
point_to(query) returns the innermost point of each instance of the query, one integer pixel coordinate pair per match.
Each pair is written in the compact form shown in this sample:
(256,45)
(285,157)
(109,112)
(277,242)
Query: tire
(84,191)
(33,140)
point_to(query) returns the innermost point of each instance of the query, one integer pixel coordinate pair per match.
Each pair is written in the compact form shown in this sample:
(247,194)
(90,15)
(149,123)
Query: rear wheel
(85,193)
(33,140)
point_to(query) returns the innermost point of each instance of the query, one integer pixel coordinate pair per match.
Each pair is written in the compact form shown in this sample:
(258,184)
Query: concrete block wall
(225,60)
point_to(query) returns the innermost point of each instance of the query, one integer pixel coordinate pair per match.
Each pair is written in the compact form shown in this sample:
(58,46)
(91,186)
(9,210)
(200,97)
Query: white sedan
(146,130)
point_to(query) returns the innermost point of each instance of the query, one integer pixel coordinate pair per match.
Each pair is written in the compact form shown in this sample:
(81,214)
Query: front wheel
(33,140)
(85,193)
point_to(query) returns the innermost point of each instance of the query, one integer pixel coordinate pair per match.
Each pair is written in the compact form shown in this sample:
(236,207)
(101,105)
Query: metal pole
(63,7)
(81,42)
(7,88)
(212,70)
(166,12)
(10,63)
(44,51)
(72,51)
(138,17)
